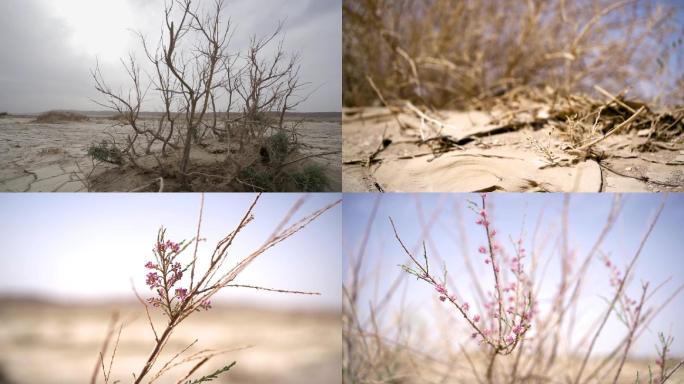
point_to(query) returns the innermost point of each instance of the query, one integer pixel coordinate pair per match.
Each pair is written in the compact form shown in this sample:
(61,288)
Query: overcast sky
(661,257)
(90,246)
(49,46)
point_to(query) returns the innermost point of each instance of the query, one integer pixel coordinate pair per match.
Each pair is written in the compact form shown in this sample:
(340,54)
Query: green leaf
(213,375)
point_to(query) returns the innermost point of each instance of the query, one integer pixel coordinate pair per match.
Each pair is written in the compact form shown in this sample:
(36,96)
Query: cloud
(47,55)
(38,70)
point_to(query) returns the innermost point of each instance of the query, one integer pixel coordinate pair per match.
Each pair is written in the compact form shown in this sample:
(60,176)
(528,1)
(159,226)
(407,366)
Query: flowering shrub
(507,336)
(509,308)
(180,288)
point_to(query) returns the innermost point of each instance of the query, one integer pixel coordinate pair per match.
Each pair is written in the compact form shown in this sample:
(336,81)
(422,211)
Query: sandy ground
(52,157)
(52,344)
(379,156)
(44,157)
(413,367)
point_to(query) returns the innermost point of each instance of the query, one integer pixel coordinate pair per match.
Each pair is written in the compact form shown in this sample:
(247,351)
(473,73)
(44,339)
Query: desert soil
(380,156)
(54,344)
(39,157)
(455,368)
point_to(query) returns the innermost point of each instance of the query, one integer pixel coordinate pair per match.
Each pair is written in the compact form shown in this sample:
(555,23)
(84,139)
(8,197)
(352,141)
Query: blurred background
(68,262)
(460,55)
(406,314)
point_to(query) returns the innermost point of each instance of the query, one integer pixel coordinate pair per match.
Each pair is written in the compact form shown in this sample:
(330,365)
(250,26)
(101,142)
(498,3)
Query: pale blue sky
(661,258)
(89,246)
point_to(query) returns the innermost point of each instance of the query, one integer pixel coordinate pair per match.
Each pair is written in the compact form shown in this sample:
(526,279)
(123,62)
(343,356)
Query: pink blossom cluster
(628,304)
(205,304)
(495,247)
(509,310)
(168,245)
(444,294)
(615,274)
(482,218)
(181,294)
(165,274)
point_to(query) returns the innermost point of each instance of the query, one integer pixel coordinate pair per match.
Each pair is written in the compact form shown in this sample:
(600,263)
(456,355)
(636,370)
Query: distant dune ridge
(53,117)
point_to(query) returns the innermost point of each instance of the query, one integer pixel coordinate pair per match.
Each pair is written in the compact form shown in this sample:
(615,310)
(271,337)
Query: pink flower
(518,329)
(150,265)
(174,247)
(440,289)
(176,274)
(509,339)
(181,293)
(442,298)
(474,335)
(153,279)
(487,260)
(476,318)
(205,304)
(156,302)
(466,307)
(492,232)
(482,249)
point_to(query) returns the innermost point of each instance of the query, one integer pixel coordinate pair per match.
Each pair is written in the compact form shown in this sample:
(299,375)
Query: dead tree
(264,85)
(195,76)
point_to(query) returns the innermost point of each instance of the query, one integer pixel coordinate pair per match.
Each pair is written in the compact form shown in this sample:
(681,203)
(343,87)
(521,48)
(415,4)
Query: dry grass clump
(528,63)
(447,54)
(55,117)
(584,120)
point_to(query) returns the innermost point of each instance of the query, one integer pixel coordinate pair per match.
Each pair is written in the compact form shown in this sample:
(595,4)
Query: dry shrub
(448,54)
(55,117)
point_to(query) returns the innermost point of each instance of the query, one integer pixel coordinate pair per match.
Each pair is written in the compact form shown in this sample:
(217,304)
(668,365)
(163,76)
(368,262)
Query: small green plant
(106,152)
(278,147)
(212,376)
(311,179)
(259,178)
